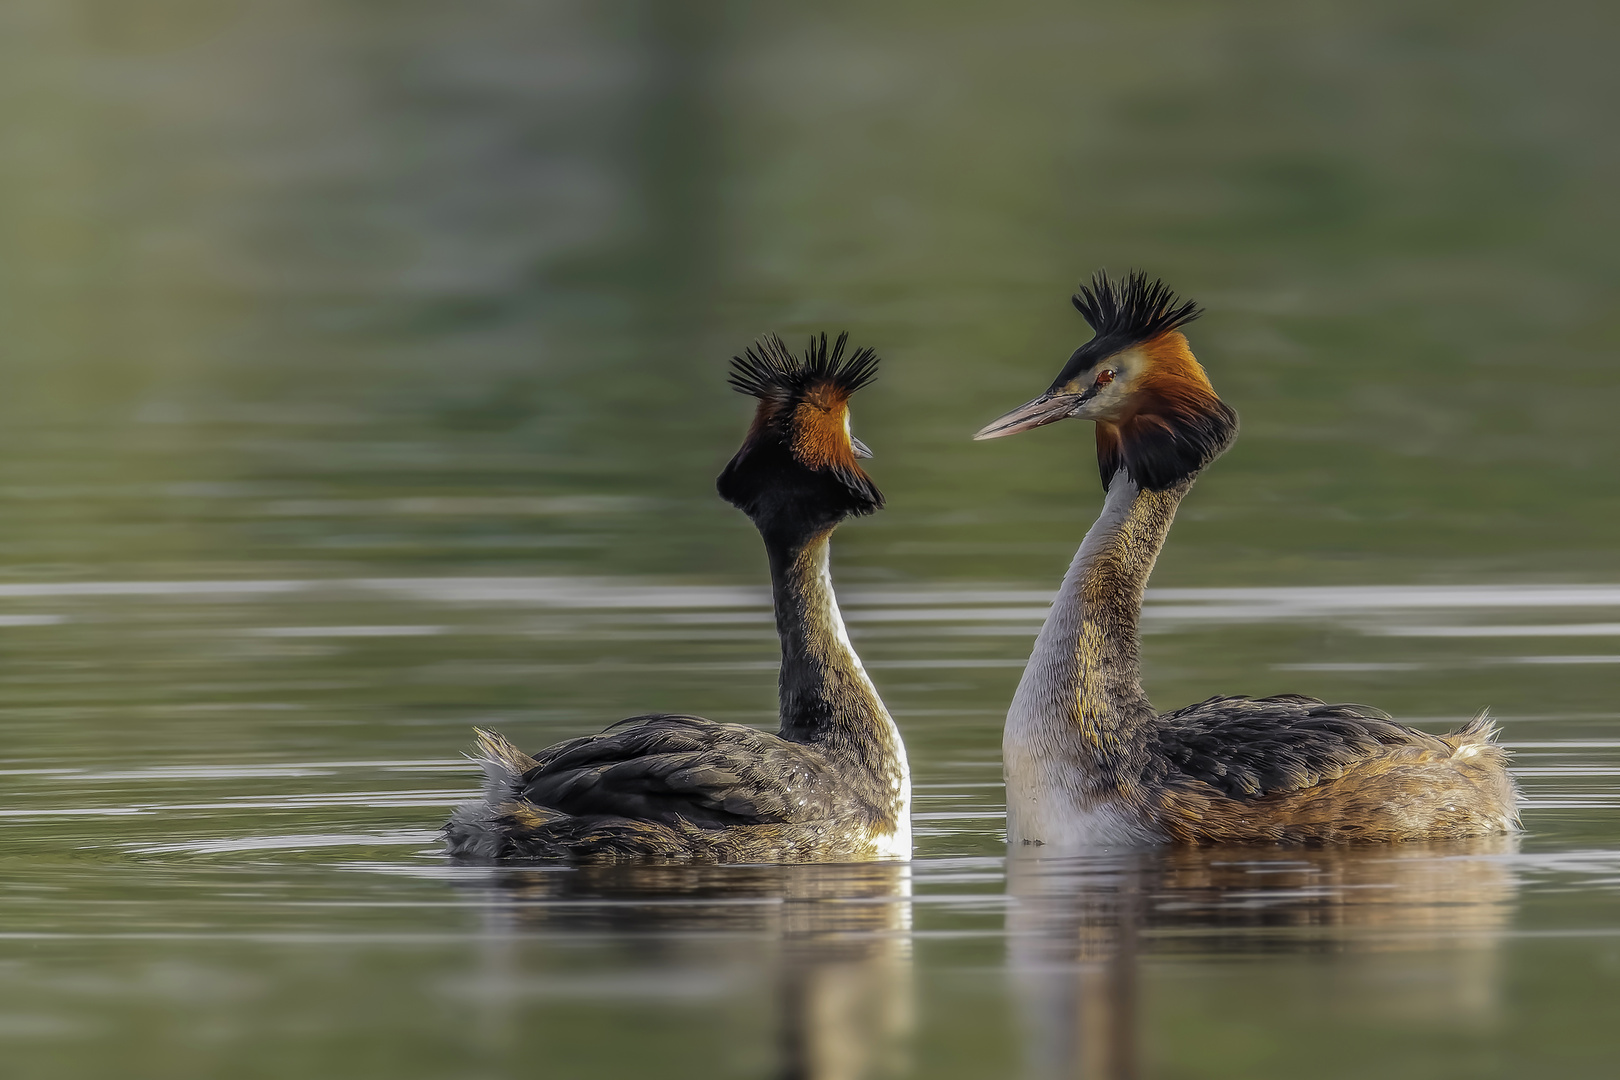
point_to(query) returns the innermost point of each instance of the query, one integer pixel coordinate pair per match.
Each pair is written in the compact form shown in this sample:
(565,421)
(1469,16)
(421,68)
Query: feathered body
(1087,760)
(833,782)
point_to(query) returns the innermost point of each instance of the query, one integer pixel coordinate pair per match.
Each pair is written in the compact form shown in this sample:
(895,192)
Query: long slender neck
(1083,686)
(826,697)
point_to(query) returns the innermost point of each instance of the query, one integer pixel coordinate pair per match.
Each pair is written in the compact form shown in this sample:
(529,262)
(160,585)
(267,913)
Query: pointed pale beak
(1031,414)
(860,448)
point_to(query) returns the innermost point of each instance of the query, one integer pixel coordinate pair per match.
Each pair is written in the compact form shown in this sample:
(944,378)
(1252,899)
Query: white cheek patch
(1129,363)
(1110,399)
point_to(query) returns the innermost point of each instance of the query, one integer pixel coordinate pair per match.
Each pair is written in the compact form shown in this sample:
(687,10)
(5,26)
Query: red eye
(1104,378)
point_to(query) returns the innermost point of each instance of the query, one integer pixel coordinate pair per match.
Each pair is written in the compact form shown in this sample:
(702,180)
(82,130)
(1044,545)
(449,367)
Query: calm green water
(363,375)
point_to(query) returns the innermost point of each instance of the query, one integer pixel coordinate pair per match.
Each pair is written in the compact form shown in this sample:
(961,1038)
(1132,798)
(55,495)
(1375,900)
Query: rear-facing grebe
(1087,761)
(833,784)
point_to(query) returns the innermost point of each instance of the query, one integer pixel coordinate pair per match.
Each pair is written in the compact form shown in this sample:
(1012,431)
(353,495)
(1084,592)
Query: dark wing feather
(669,768)
(1249,747)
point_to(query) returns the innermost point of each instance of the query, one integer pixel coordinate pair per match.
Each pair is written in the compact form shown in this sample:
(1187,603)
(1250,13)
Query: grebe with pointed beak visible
(833,782)
(1087,760)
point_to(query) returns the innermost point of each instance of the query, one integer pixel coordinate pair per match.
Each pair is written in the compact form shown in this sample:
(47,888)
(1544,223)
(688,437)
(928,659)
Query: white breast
(1044,809)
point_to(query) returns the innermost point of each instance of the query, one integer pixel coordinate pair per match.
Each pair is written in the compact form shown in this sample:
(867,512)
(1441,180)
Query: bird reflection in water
(1079,930)
(836,938)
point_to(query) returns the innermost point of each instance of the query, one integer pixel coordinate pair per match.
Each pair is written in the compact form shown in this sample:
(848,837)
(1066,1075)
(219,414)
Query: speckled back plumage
(1292,769)
(1246,747)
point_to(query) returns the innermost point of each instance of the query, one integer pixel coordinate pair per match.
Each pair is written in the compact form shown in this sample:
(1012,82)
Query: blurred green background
(266,269)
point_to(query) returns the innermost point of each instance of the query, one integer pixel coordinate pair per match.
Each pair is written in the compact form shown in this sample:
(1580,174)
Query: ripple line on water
(290,842)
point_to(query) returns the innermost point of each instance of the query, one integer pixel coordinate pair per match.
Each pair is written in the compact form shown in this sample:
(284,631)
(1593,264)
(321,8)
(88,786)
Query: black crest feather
(1123,314)
(1133,310)
(768,370)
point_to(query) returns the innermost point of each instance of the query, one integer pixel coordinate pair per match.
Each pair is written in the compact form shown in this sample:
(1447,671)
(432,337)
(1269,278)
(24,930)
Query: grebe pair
(1086,759)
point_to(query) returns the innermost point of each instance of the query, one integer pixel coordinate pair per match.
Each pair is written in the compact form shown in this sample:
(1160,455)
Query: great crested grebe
(1087,760)
(833,783)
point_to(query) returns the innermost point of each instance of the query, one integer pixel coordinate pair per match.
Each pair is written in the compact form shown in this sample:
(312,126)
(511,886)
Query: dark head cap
(1121,315)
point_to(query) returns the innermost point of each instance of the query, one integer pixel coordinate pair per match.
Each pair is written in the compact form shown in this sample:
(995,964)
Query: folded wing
(1249,747)
(669,768)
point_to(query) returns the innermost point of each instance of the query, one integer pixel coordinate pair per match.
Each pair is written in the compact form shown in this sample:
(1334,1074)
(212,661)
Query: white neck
(1073,728)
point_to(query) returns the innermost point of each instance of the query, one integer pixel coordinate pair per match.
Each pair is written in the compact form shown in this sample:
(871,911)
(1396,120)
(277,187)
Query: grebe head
(1157,415)
(797,472)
